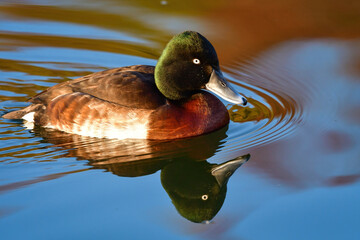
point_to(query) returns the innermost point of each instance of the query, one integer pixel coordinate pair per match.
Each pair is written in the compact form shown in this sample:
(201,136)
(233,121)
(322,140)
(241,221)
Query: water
(301,128)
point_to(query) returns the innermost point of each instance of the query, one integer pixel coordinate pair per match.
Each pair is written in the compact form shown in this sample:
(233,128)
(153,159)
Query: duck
(171,100)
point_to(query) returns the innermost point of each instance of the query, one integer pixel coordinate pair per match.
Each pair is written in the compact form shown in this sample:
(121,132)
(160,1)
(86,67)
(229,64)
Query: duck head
(188,64)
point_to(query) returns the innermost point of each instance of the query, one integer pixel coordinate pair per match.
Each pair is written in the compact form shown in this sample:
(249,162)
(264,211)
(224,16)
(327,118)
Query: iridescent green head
(188,64)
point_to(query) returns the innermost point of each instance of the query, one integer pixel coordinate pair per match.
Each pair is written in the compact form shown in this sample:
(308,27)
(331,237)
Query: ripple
(274,109)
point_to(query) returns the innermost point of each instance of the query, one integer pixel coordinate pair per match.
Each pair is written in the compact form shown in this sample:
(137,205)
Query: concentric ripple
(272,113)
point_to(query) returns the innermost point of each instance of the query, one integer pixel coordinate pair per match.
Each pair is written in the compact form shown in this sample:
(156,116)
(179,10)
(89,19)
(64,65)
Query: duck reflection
(196,187)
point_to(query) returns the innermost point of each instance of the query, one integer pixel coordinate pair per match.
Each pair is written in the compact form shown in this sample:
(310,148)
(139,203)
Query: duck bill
(218,85)
(223,172)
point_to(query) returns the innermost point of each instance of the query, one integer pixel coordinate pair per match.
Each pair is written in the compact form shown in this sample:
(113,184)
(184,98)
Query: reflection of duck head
(198,189)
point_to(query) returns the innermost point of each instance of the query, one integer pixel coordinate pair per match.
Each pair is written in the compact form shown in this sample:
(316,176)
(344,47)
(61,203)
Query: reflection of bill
(196,187)
(255,112)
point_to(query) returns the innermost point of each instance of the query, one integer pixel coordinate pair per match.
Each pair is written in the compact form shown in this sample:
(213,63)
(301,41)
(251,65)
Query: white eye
(196,61)
(204,197)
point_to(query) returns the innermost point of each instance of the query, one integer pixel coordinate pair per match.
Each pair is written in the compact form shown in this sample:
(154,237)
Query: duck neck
(167,84)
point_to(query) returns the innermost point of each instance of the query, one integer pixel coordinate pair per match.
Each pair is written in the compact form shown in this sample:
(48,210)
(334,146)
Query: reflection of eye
(196,61)
(204,197)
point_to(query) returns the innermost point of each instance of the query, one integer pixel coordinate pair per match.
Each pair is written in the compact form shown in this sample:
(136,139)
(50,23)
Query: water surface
(297,62)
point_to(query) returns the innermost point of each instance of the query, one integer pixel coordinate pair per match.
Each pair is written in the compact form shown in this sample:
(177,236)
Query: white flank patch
(107,130)
(29,117)
(116,122)
(137,131)
(29,125)
(119,126)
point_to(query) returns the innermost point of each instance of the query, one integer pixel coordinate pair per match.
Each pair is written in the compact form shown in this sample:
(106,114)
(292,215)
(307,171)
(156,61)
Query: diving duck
(167,101)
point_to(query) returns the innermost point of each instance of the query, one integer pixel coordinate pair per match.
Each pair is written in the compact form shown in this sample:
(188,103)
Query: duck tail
(21,114)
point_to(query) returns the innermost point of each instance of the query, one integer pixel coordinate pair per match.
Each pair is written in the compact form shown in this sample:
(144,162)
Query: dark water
(298,63)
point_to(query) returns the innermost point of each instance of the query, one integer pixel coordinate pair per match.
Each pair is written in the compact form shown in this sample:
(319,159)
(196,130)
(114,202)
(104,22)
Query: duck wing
(132,86)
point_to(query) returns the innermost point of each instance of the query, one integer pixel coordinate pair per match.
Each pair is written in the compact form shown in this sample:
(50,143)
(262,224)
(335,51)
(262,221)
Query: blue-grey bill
(223,172)
(218,85)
